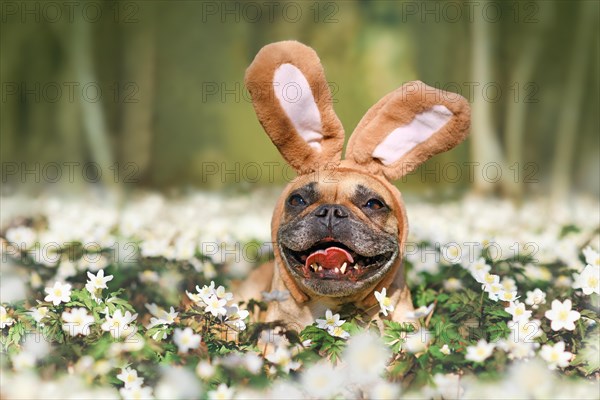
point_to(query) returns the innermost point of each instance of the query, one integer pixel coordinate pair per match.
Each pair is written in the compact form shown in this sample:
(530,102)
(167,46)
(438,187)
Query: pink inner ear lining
(404,138)
(295,96)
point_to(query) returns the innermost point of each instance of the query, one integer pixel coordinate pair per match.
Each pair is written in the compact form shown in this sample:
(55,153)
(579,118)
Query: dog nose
(331,213)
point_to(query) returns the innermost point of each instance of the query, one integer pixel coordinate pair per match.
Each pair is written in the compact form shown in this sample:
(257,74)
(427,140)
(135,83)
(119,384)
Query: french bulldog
(339,228)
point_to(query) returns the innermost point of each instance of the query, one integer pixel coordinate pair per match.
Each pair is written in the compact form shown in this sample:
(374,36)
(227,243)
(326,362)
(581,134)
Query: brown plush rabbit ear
(293,103)
(406,128)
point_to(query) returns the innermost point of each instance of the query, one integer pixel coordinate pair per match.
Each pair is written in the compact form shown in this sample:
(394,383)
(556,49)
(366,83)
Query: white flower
(160,316)
(507,296)
(22,237)
(252,362)
(493,290)
(185,248)
(196,298)
(562,316)
(148,276)
(385,303)
(384,390)
(367,357)
(5,320)
(222,294)
(93,262)
(36,280)
(537,273)
(420,312)
(133,342)
(95,293)
(452,253)
(591,256)
(129,377)
(177,383)
(509,284)
(284,389)
(206,291)
(417,341)
(589,280)
(445,350)
(117,324)
(223,392)
(136,393)
(235,317)
(38,313)
(518,311)
(23,360)
(452,284)
(77,322)
(214,305)
(66,269)
(447,386)
(556,356)
(322,381)
(525,331)
(331,320)
(275,295)
(283,358)
(338,331)
(563,281)
(99,281)
(487,279)
(186,339)
(517,349)
(205,369)
(480,352)
(479,268)
(535,298)
(59,293)
(154,247)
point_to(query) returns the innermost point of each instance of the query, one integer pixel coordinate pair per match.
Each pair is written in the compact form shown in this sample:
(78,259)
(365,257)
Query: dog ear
(406,128)
(293,104)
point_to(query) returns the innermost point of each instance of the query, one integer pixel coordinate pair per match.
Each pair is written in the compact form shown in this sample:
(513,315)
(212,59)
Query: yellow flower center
(519,311)
(563,315)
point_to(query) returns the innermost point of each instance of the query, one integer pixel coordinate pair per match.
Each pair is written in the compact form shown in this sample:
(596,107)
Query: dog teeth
(336,270)
(343,269)
(320,268)
(314,267)
(355,266)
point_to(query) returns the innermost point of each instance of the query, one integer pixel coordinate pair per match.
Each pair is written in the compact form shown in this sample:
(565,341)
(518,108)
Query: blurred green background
(152,91)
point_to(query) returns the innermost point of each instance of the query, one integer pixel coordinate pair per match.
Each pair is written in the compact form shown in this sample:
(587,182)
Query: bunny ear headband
(404,129)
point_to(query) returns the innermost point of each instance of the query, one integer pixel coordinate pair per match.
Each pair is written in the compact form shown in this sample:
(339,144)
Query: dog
(340,227)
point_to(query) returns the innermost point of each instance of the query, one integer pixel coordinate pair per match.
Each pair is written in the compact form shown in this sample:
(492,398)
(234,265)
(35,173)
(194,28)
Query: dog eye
(374,204)
(296,200)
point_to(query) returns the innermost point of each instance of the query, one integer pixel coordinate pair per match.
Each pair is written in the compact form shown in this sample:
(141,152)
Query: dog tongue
(330,258)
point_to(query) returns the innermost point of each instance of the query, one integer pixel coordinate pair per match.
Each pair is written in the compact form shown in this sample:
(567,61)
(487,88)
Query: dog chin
(335,270)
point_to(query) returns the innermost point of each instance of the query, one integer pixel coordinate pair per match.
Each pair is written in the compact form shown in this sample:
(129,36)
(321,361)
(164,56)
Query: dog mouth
(333,260)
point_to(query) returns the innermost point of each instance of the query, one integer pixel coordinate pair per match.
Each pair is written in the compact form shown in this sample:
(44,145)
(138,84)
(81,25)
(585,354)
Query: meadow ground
(134,301)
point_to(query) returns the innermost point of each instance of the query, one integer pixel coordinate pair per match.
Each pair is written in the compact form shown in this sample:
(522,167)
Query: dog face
(338,235)
(342,236)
